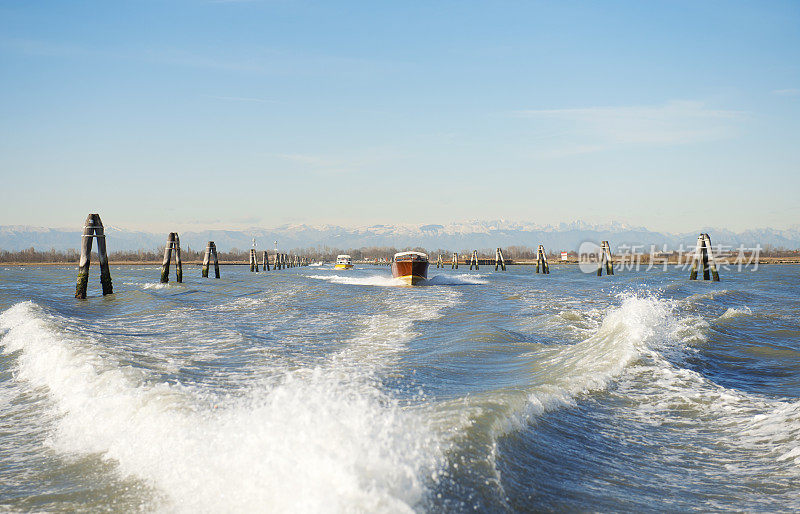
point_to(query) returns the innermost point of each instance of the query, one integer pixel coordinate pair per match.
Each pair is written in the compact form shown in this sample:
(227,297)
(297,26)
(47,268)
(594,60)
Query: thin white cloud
(242,99)
(676,122)
(787,92)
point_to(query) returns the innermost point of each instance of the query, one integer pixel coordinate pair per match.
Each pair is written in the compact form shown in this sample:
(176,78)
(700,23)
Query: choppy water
(322,391)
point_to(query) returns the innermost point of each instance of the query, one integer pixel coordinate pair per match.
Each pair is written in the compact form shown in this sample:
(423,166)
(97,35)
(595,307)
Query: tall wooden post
(93,228)
(538,257)
(105,272)
(714,273)
(601,261)
(216,259)
(541,258)
(178,263)
(206,259)
(498,260)
(697,257)
(265,257)
(455,261)
(706,274)
(86,257)
(167,258)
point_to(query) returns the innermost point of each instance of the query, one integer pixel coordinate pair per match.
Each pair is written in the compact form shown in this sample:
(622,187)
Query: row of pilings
(93,229)
(703,259)
(281,261)
(173,247)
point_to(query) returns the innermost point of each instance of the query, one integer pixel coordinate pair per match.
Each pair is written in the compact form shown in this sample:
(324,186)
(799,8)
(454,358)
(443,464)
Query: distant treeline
(320,253)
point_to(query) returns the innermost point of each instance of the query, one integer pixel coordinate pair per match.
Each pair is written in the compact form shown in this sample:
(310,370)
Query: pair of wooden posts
(253,260)
(498,260)
(211,253)
(173,243)
(93,229)
(473,261)
(703,255)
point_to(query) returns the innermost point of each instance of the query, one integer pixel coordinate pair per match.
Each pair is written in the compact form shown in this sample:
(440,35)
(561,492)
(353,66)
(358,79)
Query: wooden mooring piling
(705,256)
(211,253)
(474,260)
(541,258)
(605,259)
(253,260)
(93,229)
(498,260)
(173,243)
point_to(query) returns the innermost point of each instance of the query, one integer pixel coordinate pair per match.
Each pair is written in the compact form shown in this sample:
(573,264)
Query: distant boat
(343,262)
(316,264)
(410,267)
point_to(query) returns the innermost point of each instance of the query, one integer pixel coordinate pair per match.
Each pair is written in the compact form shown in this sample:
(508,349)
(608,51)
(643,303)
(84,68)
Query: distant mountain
(453,236)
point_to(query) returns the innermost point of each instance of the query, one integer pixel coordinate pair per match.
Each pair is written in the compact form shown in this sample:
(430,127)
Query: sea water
(322,390)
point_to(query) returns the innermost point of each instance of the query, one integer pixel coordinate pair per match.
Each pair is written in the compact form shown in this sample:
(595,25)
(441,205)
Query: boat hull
(410,272)
(343,266)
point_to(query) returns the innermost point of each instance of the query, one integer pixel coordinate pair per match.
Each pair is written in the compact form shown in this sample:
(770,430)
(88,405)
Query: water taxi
(343,262)
(410,267)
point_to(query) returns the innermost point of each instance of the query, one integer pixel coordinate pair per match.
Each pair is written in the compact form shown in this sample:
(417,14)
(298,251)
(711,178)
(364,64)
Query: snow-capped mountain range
(453,236)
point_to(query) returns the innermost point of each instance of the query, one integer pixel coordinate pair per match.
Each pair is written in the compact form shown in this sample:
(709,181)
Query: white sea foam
(738,426)
(457,280)
(639,323)
(370,280)
(322,439)
(154,285)
(565,372)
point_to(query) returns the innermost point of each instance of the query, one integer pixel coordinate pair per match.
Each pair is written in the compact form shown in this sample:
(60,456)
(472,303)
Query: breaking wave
(321,439)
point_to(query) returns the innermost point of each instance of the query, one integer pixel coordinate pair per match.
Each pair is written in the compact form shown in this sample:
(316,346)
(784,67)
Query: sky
(190,115)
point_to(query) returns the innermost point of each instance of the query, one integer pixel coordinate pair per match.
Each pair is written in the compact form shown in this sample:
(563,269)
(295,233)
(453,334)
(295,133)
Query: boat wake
(319,439)
(387,281)
(371,280)
(456,280)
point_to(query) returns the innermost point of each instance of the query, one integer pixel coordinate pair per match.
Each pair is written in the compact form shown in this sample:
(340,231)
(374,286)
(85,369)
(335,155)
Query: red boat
(410,267)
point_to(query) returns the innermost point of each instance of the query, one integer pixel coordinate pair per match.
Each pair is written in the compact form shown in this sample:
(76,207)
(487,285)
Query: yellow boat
(343,262)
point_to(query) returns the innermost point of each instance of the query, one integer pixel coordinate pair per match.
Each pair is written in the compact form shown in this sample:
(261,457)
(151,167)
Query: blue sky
(184,115)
